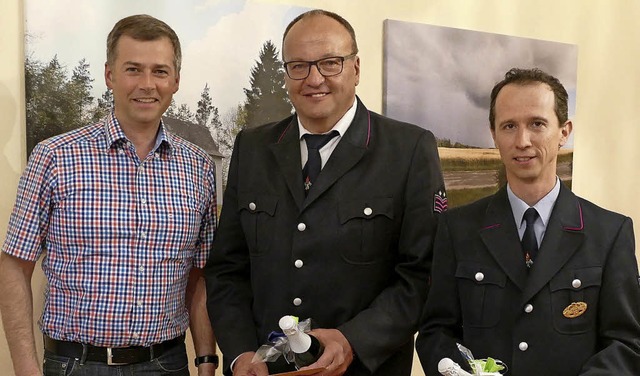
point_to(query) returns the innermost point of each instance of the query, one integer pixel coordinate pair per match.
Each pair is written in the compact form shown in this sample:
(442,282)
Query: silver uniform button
(523,346)
(479,276)
(298,264)
(367,211)
(252,205)
(302,226)
(528,308)
(297,301)
(576,283)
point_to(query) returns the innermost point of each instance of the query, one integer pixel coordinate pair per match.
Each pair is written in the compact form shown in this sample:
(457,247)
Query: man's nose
(315,77)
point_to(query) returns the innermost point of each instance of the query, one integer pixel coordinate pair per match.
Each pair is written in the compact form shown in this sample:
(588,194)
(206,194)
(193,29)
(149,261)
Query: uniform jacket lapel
(287,153)
(500,236)
(563,237)
(347,154)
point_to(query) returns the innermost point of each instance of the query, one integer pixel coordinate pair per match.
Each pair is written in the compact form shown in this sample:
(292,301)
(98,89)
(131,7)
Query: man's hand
(337,355)
(244,367)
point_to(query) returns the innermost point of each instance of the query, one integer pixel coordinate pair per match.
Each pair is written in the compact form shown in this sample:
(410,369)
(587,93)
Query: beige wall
(606,129)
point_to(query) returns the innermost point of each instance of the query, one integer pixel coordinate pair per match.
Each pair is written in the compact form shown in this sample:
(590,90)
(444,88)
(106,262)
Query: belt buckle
(110,358)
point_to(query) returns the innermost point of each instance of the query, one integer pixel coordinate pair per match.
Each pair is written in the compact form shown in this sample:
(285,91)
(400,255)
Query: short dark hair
(146,28)
(321,12)
(528,76)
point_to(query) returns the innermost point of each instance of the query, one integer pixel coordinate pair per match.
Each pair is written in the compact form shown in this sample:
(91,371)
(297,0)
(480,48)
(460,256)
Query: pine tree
(172,110)
(104,106)
(266,99)
(205,107)
(184,113)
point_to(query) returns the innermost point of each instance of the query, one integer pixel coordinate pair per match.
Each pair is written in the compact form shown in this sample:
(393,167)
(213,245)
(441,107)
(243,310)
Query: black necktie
(529,242)
(312,168)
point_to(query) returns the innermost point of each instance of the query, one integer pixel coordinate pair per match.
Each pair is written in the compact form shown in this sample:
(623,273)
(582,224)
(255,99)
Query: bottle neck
(299,341)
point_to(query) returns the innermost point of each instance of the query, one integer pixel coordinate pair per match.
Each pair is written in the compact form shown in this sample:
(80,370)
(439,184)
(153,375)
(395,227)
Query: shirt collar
(115,135)
(544,206)
(341,126)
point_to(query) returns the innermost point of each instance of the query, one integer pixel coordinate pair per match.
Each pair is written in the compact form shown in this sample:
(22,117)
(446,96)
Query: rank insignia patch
(440,202)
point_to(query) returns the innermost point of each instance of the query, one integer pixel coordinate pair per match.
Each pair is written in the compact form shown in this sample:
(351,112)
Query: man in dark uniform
(350,247)
(562,301)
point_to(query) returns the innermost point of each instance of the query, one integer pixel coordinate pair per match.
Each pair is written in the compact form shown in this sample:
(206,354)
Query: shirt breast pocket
(581,286)
(481,294)
(257,216)
(366,226)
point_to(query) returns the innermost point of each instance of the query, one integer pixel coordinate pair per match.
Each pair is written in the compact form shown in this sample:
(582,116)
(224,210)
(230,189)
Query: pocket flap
(582,278)
(365,208)
(481,274)
(256,203)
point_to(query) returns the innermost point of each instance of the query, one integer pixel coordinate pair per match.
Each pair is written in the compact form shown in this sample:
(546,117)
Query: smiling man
(534,276)
(328,214)
(123,214)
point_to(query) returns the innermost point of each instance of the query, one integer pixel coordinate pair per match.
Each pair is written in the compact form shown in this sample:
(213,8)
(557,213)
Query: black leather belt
(110,355)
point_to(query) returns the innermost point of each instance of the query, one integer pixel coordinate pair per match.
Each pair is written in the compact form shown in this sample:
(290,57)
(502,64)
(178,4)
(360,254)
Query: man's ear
(177,86)
(108,76)
(566,130)
(356,65)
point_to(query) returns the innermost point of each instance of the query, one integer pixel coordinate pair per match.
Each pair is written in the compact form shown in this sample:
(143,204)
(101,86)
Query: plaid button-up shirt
(119,235)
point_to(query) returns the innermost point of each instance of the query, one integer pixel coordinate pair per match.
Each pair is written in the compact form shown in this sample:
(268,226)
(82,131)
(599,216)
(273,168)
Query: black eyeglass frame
(315,62)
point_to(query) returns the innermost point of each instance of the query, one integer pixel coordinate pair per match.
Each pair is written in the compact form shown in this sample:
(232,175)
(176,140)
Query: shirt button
(479,276)
(528,308)
(252,206)
(141,269)
(135,335)
(576,283)
(367,211)
(297,301)
(302,226)
(523,346)
(143,235)
(139,303)
(143,201)
(298,264)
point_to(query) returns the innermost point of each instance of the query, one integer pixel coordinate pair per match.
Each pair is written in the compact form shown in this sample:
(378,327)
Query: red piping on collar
(368,129)
(581,222)
(283,133)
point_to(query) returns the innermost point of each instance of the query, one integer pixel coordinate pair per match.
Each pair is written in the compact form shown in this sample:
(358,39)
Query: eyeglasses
(329,66)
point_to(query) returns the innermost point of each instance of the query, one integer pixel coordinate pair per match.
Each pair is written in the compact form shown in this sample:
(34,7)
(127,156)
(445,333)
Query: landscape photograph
(440,78)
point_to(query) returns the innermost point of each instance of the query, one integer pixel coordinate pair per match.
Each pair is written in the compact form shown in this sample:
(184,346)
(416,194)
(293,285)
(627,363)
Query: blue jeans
(174,362)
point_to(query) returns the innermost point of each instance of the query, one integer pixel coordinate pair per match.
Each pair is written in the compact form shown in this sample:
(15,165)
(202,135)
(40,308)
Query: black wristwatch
(207,359)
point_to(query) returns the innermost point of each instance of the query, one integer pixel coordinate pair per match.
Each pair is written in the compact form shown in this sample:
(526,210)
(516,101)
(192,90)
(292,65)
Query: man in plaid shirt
(125,214)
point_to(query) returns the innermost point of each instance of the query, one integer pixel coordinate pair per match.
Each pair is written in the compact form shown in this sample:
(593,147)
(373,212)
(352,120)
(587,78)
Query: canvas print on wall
(441,79)
(231,62)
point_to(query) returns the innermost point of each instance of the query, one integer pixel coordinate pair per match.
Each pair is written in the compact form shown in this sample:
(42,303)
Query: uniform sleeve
(229,293)
(618,311)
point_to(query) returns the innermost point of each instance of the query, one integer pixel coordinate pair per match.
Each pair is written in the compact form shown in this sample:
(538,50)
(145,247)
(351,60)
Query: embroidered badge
(440,202)
(574,310)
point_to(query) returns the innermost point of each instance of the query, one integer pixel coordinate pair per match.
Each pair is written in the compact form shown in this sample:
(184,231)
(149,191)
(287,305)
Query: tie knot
(317,141)
(530,216)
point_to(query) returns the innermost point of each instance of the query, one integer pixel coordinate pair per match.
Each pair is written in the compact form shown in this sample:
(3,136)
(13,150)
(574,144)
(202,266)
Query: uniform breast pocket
(366,226)
(257,215)
(574,299)
(481,294)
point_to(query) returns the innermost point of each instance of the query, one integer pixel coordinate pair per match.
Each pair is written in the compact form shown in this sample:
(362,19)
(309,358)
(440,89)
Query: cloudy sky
(221,39)
(441,78)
